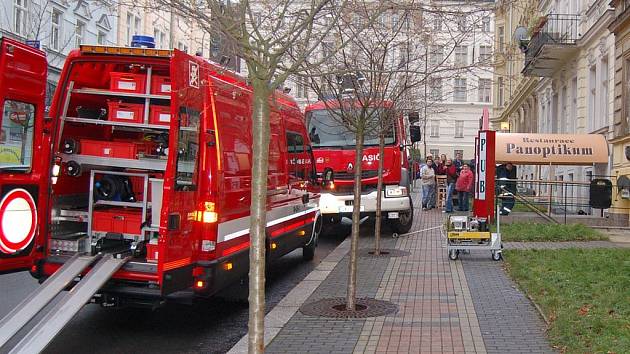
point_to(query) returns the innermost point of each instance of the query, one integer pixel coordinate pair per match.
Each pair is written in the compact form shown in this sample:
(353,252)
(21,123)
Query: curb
(290,304)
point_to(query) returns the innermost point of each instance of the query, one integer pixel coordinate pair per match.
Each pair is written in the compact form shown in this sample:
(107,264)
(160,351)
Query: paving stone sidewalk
(464,306)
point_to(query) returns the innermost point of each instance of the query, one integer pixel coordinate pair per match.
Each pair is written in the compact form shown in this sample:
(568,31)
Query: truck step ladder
(53,322)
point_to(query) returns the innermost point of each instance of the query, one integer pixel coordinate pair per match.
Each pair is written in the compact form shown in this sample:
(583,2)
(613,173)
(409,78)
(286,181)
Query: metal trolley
(465,233)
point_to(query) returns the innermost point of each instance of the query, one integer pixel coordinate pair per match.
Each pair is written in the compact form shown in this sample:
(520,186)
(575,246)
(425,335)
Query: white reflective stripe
(233,235)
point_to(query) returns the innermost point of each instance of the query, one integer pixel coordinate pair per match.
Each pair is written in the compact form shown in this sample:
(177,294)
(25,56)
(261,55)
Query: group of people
(459,178)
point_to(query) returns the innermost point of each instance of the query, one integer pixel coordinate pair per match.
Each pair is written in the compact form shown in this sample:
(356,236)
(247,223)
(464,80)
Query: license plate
(349,209)
(392,215)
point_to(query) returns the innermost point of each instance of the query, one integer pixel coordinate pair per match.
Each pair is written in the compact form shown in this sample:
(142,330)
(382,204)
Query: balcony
(551,45)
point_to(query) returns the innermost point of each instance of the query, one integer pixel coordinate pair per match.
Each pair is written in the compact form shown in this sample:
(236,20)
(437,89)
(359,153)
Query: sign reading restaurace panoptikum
(556,149)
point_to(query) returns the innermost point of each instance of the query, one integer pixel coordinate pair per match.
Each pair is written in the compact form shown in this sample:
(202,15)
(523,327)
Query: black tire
(403,224)
(308,252)
(453,255)
(496,256)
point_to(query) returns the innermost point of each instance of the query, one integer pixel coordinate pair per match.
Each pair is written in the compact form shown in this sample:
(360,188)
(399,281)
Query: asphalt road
(208,326)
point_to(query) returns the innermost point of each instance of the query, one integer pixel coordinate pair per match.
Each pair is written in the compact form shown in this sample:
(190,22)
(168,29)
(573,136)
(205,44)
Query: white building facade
(59,26)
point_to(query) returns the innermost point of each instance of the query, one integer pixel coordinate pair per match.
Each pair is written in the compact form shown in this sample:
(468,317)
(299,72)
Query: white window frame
(79,33)
(56,29)
(461,55)
(485,24)
(485,54)
(485,90)
(20,17)
(435,129)
(460,89)
(459,128)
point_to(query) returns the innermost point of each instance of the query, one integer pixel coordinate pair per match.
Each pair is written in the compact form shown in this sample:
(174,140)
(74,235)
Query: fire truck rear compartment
(111,150)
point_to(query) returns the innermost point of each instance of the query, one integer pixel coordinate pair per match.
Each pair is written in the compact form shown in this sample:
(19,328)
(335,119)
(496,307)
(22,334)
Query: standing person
(458,162)
(463,186)
(507,177)
(451,177)
(427,175)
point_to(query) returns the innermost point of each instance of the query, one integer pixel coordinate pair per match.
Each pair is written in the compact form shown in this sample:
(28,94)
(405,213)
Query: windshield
(325,130)
(16,135)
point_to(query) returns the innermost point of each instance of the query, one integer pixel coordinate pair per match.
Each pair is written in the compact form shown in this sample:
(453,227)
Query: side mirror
(414,133)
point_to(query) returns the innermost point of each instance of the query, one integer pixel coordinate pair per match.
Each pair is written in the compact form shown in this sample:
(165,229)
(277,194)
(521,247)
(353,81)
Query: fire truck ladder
(46,328)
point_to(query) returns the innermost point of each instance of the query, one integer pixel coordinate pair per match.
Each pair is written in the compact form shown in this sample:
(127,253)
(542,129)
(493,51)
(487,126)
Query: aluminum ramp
(53,322)
(33,304)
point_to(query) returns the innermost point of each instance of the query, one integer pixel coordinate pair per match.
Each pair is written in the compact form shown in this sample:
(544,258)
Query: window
(188,149)
(485,88)
(603,107)
(20,16)
(435,87)
(461,55)
(437,55)
(592,84)
(299,160)
(437,22)
(461,23)
(133,26)
(459,94)
(500,38)
(183,47)
(16,136)
(55,30)
(395,23)
(79,33)
(302,87)
(485,24)
(101,37)
(327,49)
(485,54)
(435,129)
(500,98)
(160,38)
(435,152)
(459,128)
(326,130)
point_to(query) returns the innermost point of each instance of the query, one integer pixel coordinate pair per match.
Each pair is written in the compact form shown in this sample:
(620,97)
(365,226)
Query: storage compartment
(160,85)
(117,220)
(117,149)
(160,115)
(125,112)
(127,82)
(152,251)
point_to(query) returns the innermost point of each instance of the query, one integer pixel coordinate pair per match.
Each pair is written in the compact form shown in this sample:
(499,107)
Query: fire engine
(334,150)
(137,184)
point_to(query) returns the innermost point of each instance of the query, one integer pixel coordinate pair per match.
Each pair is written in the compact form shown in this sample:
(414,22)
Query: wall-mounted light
(505,126)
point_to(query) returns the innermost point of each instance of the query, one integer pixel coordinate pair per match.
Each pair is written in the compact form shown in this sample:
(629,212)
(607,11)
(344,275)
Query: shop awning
(555,149)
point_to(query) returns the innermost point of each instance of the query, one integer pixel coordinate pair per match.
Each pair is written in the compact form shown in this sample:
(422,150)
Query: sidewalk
(463,306)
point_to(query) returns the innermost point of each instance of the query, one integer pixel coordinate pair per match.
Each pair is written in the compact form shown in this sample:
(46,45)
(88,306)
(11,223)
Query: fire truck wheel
(308,251)
(403,224)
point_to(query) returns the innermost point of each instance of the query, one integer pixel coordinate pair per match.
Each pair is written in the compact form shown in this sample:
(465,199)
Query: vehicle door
(24,155)
(181,182)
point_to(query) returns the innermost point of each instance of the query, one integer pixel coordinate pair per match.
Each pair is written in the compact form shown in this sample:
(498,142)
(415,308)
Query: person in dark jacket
(507,186)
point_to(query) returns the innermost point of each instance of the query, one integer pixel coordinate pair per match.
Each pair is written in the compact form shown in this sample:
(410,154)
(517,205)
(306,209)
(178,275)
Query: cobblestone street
(463,306)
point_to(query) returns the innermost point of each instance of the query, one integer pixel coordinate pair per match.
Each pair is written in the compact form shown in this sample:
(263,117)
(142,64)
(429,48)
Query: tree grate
(385,253)
(336,308)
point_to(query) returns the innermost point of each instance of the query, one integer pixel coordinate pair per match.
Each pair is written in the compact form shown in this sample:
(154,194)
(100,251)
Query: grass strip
(531,232)
(585,294)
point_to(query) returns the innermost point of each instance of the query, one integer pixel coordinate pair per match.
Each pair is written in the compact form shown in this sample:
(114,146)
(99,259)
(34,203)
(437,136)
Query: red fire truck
(138,182)
(334,149)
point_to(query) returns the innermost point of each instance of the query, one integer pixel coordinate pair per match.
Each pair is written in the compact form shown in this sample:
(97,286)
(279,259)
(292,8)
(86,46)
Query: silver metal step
(34,303)
(54,321)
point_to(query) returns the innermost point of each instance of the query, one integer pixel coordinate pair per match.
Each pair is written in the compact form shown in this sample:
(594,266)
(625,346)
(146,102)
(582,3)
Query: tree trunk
(356,219)
(258,211)
(379,192)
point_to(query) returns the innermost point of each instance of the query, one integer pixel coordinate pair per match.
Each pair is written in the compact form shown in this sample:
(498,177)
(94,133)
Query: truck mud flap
(177,279)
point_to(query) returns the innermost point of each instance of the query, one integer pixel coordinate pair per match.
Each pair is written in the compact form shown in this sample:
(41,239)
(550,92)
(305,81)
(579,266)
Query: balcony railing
(559,30)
